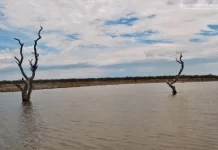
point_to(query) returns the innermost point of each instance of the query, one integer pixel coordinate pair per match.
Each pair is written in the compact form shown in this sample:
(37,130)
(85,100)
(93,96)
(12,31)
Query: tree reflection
(28,126)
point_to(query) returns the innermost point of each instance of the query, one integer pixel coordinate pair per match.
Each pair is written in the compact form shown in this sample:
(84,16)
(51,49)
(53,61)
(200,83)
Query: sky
(108,38)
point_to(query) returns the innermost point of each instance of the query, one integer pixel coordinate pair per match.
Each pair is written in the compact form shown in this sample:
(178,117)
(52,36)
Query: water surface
(117,117)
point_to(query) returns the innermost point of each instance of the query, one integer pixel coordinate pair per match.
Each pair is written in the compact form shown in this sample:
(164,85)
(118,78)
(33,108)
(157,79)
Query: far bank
(8,86)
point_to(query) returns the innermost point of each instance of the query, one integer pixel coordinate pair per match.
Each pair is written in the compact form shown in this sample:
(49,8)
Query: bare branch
(181,69)
(177,77)
(178,61)
(18,41)
(34,66)
(31,62)
(28,82)
(19,62)
(180,57)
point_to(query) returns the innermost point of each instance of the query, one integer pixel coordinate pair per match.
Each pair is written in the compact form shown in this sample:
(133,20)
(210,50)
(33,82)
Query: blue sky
(101,38)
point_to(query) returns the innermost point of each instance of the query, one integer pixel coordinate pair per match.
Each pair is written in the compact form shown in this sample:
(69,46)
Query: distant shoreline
(8,86)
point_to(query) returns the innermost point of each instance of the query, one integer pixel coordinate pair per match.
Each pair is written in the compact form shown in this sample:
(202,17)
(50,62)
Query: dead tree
(27,88)
(177,77)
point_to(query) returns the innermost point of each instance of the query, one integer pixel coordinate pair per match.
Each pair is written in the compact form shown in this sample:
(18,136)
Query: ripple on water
(143,116)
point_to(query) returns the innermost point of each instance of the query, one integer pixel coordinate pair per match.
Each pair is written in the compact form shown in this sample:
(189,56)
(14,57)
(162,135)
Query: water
(119,117)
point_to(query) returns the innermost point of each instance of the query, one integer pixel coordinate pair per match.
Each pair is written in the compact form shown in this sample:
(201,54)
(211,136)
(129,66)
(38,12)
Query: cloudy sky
(108,38)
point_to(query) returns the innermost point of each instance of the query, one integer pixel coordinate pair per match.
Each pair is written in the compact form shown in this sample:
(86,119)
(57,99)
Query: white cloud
(86,18)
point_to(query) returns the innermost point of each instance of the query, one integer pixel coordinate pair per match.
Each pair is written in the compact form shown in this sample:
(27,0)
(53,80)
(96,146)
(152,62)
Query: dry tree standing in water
(177,77)
(28,81)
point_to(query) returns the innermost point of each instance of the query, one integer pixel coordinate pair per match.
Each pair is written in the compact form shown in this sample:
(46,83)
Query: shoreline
(40,85)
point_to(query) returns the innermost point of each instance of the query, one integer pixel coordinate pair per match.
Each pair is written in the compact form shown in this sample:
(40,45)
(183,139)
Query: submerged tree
(177,77)
(28,81)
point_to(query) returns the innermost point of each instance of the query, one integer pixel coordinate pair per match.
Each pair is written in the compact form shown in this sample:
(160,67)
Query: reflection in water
(28,127)
(130,117)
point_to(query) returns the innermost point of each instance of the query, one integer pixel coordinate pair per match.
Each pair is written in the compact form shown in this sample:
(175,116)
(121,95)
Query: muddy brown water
(115,117)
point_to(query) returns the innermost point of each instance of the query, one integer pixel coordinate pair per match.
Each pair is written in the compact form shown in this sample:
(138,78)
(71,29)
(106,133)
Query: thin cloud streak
(104,33)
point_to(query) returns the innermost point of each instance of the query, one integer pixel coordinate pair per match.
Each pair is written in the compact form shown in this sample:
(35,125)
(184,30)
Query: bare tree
(177,77)
(27,88)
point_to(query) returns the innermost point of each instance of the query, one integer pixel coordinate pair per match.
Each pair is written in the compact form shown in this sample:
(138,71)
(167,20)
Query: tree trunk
(27,90)
(25,98)
(177,77)
(28,81)
(174,92)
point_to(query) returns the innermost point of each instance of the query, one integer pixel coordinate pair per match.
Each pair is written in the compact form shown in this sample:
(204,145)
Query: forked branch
(177,77)
(28,81)
(35,65)
(19,62)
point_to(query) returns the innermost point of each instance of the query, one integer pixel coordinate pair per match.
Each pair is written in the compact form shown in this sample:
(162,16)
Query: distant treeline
(189,77)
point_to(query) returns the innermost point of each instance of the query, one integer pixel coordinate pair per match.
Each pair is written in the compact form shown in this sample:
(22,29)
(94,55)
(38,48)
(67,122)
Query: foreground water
(121,117)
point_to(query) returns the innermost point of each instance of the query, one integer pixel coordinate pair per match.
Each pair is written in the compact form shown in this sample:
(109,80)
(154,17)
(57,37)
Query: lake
(113,117)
